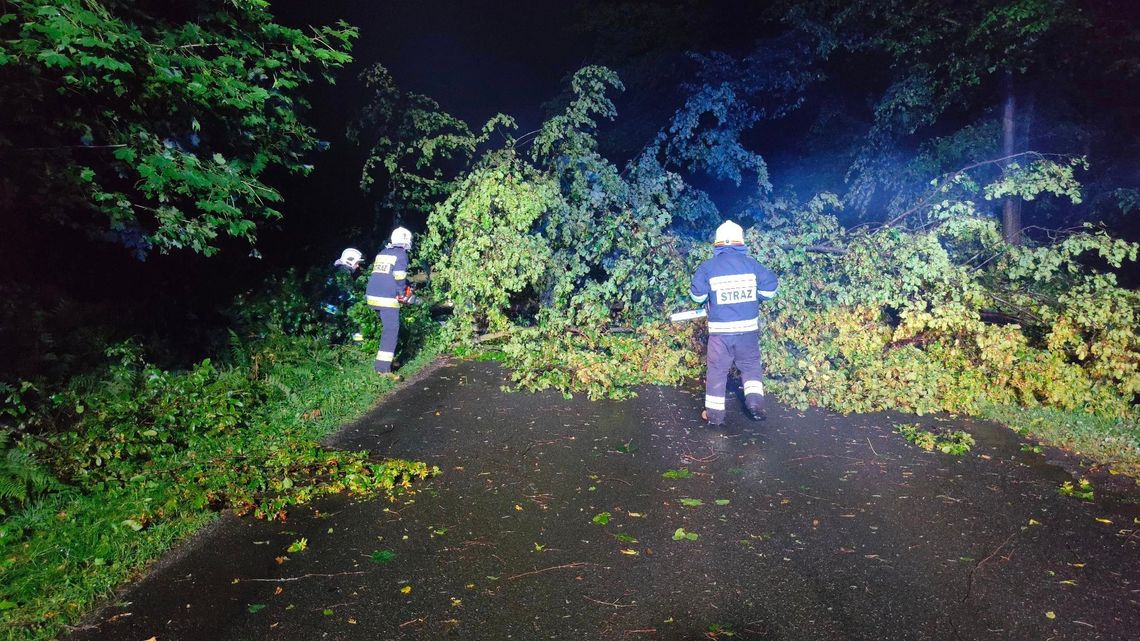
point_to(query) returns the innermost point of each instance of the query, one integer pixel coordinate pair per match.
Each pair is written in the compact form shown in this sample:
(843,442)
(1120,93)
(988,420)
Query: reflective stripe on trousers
(724,350)
(389,332)
(382,301)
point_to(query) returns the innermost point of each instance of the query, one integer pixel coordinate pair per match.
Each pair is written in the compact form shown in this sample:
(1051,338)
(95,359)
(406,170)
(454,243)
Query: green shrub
(113,467)
(603,365)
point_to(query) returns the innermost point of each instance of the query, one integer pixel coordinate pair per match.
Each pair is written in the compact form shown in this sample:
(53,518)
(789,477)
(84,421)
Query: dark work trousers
(389,332)
(744,351)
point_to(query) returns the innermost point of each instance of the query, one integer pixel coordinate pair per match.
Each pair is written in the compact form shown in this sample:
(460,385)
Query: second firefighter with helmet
(732,284)
(387,290)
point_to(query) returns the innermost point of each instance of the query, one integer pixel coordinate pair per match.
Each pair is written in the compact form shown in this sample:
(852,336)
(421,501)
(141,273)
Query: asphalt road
(810,526)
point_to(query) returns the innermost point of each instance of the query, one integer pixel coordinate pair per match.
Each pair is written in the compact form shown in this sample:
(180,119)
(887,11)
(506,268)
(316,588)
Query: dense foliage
(163,121)
(577,262)
(110,469)
(871,99)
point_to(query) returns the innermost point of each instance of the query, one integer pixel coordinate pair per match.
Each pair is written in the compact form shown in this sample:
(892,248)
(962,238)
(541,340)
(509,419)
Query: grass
(63,553)
(1112,442)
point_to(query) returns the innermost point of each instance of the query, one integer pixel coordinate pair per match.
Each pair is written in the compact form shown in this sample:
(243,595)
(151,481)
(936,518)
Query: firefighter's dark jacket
(389,274)
(733,284)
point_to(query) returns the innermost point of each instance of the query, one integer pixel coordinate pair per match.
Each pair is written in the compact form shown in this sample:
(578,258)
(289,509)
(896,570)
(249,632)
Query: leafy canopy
(155,127)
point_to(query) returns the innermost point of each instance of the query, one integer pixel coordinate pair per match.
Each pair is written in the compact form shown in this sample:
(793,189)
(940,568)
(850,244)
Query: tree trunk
(1011,209)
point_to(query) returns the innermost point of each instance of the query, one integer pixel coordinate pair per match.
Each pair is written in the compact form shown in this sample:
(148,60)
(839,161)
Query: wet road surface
(810,526)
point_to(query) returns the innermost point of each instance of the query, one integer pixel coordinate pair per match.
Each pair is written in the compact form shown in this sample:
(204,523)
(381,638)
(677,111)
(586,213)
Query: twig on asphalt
(871,446)
(411,621)
(804,458)
(818,498)
(612,605)
(566,566)
(603,478)
(974,570)
(303,576)
(996,550)
(689,458)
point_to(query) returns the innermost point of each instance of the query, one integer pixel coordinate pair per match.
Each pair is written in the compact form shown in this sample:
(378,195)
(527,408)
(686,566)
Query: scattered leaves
(1083,490)
(681,535)
(956,443)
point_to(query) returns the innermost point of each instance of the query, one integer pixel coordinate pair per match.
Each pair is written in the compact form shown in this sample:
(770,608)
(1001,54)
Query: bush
(116,465)
(603,365)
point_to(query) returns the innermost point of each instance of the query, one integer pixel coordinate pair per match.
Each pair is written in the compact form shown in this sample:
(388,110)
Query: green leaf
(383,556)
(601,518)
(254,608)
(692,502)
(721,501)
(681,535)
(682,473)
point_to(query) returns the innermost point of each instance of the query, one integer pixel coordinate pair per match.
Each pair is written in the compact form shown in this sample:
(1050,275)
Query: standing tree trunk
(1011,209)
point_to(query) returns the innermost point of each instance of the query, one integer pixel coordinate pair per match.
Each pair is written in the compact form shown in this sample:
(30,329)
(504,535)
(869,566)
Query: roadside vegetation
(951,267)
(155,129)
(122,462)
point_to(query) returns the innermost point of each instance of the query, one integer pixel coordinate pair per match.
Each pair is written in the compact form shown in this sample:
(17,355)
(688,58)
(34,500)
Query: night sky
(475,58)
(480,58)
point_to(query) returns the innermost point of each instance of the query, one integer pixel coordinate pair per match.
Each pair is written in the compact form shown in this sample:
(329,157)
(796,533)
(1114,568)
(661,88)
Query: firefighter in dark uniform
(732,284)
(387,290)
(339,295)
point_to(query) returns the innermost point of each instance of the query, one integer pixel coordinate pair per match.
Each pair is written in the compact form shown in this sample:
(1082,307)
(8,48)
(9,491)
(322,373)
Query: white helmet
(402,238)
(729,234)
(350,257)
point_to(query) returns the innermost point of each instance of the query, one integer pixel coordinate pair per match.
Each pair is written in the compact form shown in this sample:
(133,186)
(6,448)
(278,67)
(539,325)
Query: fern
(238,354)
(21,475)
(287,391)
